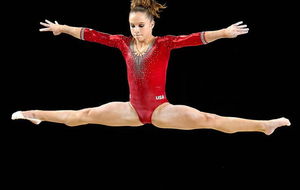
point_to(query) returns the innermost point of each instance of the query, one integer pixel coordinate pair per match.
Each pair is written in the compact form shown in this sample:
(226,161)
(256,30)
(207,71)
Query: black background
(253,76)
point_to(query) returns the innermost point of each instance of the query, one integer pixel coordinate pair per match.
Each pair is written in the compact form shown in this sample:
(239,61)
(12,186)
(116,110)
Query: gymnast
(146,58)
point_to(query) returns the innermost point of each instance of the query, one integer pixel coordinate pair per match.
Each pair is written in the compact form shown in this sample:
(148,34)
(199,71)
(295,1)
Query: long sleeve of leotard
(194,39)
(100,37)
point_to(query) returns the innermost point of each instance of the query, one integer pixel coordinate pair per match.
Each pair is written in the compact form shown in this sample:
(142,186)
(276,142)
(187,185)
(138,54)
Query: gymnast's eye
(141,25)
(132,26)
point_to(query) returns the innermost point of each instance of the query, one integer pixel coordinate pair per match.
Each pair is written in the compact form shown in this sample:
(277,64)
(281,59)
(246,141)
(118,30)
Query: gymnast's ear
(152,24)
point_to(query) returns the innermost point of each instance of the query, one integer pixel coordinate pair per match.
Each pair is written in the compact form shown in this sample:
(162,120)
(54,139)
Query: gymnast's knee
(211,117)
(207,119)
(79,117)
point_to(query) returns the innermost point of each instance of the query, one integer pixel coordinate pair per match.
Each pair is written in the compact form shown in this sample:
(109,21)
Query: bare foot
(273,124)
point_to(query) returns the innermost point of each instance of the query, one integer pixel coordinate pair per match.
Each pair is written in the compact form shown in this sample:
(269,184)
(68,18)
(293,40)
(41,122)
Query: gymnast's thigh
(114,114)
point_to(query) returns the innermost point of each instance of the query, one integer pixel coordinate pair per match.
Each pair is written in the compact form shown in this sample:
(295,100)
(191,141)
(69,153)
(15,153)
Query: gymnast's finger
(44,24)
(242,26)
(45,29)
(242,32)
(238,23)
(48,21)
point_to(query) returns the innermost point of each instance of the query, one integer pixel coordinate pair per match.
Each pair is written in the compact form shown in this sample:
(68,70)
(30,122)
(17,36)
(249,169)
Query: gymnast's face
(141,26)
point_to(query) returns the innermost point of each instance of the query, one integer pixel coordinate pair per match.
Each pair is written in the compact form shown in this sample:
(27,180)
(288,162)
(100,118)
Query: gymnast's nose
(136,30)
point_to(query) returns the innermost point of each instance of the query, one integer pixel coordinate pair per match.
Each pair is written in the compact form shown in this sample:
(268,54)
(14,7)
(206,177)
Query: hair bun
(153,7)
(142,3)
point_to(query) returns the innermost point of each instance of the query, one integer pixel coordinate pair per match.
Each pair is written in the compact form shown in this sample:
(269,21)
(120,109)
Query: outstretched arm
(57,29)
(82,33)
(230,32)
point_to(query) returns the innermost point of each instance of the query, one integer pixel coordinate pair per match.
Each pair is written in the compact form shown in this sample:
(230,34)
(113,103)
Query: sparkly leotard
(147,73)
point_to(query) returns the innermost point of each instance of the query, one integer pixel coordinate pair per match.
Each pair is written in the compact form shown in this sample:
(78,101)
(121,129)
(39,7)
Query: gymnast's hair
(150,7)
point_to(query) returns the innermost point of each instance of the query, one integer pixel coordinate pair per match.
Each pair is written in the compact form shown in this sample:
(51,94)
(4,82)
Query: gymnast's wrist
(64,29)
(224,33)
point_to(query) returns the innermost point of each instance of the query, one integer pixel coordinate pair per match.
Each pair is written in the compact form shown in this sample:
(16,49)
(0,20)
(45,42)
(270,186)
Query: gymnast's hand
(52,27)
(235,30)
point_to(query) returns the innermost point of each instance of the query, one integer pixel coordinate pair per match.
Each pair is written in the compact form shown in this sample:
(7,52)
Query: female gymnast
(147,59)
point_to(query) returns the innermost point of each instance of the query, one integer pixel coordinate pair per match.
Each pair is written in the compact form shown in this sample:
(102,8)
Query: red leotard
(146,74)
